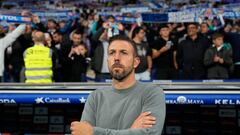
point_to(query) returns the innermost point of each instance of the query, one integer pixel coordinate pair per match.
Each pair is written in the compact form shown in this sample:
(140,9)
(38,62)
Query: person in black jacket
(233,39)
(78,62)
(164,55)
(218,58)
(66,45)
(13,62)
(190,53)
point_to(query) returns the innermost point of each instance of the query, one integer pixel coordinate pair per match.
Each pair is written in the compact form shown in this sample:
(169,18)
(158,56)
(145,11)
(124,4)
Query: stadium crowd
(168,51)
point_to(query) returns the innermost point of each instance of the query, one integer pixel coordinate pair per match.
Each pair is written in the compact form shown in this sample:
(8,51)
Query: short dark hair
(193,23)
(110,16)
(162,26)
(124,38)
(78,32)
(217,35)
(52,20)
(205,23)
(136,31)
(57,32)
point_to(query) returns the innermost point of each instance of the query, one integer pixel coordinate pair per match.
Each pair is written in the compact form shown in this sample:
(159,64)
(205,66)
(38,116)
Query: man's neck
(126,83)
(137,40)
(165,38)
(218,46)
(38,43)
(193,37)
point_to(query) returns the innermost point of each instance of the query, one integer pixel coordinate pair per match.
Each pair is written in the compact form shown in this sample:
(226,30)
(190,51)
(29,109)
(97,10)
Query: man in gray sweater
(128,107)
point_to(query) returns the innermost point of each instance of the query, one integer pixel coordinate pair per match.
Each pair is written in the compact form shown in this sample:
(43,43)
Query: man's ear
(136,62)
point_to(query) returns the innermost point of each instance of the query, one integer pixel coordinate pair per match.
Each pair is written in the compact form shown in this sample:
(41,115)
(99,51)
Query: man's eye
(124,52)
(110,53)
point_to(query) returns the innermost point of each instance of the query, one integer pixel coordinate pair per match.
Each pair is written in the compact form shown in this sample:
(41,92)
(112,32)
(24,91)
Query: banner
(157,6)
(135,9)
(154,18)
(124,19)
(109,13)
(80,98)
(56,15)
(181,17)
(231,15)
(16,19)
(203,99)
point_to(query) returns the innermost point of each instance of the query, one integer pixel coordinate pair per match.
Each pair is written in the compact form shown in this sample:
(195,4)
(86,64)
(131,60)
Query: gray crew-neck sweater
(112,111)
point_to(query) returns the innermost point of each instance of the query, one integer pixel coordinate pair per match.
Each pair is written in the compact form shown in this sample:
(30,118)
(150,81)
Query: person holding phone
(164,55)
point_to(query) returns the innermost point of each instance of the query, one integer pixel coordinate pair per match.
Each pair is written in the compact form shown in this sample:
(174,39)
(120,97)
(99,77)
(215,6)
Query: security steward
(38,61)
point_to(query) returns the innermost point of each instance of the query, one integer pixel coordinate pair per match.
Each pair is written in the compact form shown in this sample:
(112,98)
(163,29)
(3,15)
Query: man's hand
(144,120)
(71,52)
(81,128)
(26,13)
(221,61)
(35,19)
(164,49)
(216,58)
(120,27)
(106,25)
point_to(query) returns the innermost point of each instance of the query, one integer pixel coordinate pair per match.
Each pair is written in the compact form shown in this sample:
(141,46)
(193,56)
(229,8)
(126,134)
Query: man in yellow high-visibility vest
(38,61)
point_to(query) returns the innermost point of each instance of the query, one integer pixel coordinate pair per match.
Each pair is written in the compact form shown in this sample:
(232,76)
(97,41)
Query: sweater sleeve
(89,110)
(153,101)
(11,37)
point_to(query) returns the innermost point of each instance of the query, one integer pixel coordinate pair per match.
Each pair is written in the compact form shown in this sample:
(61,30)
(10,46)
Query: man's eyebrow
(111,50)
(120,49)
(124,50)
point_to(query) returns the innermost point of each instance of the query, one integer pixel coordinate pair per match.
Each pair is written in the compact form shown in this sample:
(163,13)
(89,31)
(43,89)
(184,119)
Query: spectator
(37,24)
(52,26)
(79,63)
(233,39)
(13,59)
(65,27)
(57,77)
(143,71)
(113,28)
(85,30)
(99,60)
(164,55)
(190,53)
(228,28)
(57,39)
(204,30)
(6,40)
(76,39)
(218,58)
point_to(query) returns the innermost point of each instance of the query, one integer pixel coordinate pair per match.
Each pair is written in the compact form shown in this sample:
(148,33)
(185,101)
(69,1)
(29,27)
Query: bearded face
(121,60)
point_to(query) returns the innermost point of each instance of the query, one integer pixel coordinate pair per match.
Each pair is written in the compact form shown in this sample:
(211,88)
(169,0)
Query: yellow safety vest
(38,64)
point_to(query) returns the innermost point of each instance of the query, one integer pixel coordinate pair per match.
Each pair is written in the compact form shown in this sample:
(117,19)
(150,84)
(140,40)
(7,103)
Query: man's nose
(117,57)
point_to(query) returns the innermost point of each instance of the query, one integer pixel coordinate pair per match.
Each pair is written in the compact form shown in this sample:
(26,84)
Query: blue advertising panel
(79,98)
